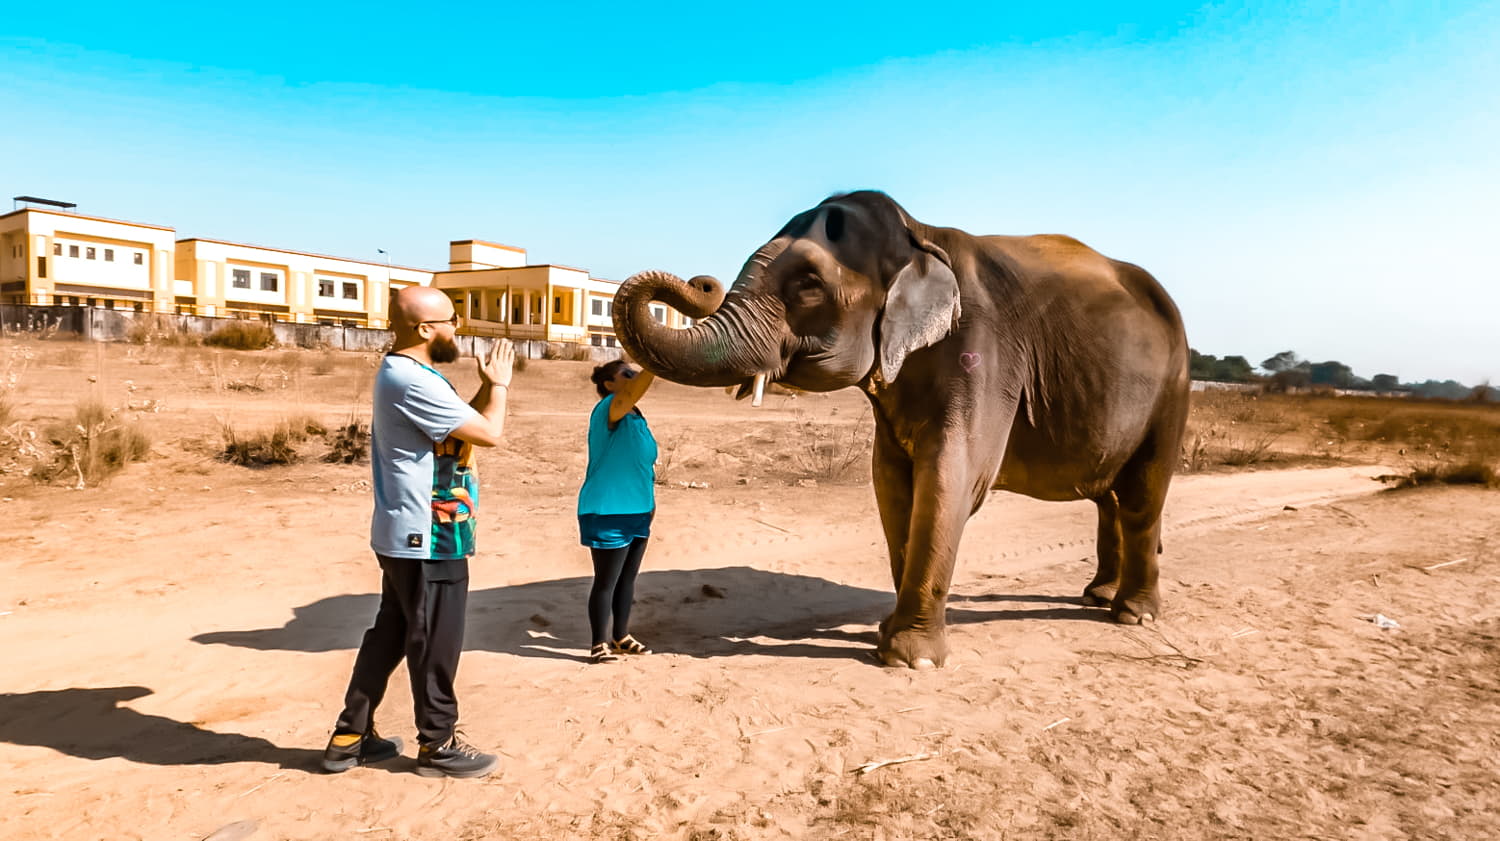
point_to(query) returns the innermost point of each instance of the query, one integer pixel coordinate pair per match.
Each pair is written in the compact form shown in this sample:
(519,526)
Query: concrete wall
(103,325)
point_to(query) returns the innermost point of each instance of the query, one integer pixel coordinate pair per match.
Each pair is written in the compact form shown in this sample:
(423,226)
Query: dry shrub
(93,447)
(349,443)
(242,335)
(829,450)
(323,363)
(7,410)
(158,329)
(1243,451)
(568,351)
(264,448)
(1472,472)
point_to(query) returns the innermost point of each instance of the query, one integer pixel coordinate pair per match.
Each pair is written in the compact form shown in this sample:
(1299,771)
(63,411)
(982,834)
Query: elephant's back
(1064,265)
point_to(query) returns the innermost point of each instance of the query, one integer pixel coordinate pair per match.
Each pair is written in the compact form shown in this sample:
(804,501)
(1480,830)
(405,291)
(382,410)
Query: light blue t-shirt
(415,410)
(621,477)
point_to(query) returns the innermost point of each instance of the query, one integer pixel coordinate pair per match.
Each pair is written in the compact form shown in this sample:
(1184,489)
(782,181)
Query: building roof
(306,254)
(513,268)
(81,216)
(486,242)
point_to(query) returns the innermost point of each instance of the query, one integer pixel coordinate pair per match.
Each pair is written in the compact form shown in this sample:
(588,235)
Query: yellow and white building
(219,278)
(496,293)
(53,257)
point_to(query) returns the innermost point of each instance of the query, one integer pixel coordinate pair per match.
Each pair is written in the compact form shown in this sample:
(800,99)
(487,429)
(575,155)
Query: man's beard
(442,350)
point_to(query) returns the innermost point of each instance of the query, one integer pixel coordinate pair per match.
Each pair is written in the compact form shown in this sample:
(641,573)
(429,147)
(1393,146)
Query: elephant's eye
(809,292)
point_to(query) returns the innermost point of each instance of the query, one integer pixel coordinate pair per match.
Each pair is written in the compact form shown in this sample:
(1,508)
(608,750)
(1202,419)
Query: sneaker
(346,750)
(456,759)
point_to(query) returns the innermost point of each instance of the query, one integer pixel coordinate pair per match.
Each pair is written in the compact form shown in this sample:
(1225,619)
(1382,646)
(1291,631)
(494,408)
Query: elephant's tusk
(759,389)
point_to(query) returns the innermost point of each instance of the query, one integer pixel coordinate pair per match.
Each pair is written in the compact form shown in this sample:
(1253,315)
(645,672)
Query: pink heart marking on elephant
(968,360)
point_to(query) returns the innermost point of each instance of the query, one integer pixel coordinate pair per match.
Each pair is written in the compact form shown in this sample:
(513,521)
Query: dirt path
(174,652)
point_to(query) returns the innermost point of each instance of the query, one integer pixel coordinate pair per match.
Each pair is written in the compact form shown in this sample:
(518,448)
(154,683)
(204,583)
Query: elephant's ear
(921,307)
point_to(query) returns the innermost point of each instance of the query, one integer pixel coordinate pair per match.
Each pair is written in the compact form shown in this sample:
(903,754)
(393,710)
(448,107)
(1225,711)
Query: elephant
(1030,364)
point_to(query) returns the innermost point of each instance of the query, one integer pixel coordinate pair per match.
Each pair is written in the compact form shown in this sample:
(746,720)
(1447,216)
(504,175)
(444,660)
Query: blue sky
(1321,177)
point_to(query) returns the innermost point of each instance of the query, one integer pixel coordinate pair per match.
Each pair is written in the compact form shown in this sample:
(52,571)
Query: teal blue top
(621,477)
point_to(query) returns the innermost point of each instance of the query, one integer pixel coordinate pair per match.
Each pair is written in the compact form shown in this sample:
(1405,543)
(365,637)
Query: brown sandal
(630,645)
(600,653)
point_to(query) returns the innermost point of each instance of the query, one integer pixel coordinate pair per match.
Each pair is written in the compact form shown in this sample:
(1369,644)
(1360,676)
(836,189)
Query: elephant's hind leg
(1142,492)
(1101,591)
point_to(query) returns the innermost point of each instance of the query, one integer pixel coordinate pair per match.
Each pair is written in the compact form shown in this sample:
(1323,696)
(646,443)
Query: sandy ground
(176,644)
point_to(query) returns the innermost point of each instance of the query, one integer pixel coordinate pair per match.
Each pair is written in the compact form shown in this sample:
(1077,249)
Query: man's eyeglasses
(453,320)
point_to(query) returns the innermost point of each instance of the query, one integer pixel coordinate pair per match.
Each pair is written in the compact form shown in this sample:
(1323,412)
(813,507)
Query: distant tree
(1385,382)
(1233,369)
(1445,390)
(1484,393)
(1200,365)
(1332,373)
(1284,361)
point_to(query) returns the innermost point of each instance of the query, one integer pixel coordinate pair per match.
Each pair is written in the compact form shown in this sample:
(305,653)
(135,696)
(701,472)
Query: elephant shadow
(90,723)
(698,613)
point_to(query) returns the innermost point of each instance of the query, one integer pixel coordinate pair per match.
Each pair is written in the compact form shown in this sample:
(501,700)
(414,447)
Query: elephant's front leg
(892,472)
(915,634)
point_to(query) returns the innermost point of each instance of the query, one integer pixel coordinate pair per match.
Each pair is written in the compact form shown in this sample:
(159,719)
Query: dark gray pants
(421,618)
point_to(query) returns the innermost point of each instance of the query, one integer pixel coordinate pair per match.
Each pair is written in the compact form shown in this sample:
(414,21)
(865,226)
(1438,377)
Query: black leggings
(614,588)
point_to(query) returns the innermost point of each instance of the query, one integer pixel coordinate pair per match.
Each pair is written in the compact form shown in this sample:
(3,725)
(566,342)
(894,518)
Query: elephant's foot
(1136,610)
(913,647)
(1099,594)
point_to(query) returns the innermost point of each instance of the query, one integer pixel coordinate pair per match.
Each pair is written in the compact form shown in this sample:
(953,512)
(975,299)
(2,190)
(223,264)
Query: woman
(616,504)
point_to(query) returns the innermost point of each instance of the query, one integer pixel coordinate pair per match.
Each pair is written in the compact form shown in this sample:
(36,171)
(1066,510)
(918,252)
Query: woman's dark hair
(604,373)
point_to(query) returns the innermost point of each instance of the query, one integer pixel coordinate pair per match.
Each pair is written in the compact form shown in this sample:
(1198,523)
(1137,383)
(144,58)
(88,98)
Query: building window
(41,267)
(57,249)
(660,314)
(109,303)
(241,279)
(325,288)
(597,306)
(268,281)
(88,254)
(72,251)
(351,291)
(609,341)
(139,306)
(556,305)
(140,259)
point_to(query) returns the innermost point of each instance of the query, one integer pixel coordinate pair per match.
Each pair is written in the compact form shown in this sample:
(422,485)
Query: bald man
(422,531)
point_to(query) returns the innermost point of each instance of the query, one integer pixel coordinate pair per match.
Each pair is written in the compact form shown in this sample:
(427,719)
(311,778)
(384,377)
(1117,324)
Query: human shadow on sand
(89,722)
(698,613)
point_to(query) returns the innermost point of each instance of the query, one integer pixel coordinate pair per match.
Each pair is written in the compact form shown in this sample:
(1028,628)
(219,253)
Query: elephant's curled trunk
(735,339)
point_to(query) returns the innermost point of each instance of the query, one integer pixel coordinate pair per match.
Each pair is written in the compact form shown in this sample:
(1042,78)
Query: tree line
(1286,371)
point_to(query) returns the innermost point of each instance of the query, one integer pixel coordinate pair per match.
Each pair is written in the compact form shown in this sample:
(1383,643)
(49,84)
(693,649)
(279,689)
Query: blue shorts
(612,531)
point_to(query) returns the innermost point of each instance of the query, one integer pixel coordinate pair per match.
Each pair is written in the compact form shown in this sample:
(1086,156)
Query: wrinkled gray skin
(1028,364)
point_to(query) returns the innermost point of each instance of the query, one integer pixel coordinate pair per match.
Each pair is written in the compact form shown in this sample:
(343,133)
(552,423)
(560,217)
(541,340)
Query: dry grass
(242,335)
(267,447)
(1235,429)
(161,330)
(93,447)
